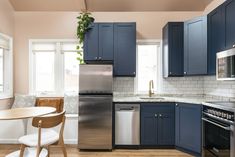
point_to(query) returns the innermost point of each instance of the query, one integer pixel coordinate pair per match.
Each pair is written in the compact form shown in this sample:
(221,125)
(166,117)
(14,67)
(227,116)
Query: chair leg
(48,149)
(63,147)
(38,151)
(22,148)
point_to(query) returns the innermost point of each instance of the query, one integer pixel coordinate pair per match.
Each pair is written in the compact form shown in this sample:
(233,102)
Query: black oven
(218,138)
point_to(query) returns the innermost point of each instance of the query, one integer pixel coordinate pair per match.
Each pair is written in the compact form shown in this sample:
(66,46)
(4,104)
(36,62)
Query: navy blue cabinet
(125,49)
(216,38)
(195,46)
(91,44)
(228,12)
(173,49)
(99,43)
(188,127)
(157,124)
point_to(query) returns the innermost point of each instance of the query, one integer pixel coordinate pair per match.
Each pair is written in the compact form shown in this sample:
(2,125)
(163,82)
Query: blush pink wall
(213,5)
(6,27)
(6,18)
(62,25)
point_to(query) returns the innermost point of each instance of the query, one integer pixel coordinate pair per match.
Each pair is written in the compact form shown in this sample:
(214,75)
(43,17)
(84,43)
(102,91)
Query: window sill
(5,96)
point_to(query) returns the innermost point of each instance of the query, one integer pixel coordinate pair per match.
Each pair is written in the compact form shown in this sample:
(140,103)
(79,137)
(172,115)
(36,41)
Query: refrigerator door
(96,79)
(95,122)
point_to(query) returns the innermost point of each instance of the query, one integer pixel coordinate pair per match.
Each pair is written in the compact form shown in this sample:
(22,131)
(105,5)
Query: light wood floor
(74,152)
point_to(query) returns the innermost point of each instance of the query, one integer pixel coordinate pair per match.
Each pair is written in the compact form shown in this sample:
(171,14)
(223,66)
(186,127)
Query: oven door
(217,138)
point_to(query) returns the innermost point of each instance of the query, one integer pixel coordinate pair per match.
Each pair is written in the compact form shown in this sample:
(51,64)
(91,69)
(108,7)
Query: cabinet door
(215,38)
(188,127)
(148,128)
(124,49)
(176,49)
(228,10)
(106,41)
(195,46)
(166,128)
(91,43)
(173,49)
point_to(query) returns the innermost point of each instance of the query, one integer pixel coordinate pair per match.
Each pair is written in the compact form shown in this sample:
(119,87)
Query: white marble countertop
(182,99)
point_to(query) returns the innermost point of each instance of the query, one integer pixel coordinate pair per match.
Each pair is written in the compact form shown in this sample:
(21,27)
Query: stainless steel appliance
(95,107)
(127,124)
(225,65)
(218,129)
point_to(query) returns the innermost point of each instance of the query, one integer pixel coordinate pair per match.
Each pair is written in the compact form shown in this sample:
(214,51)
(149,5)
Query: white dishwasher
(127,124)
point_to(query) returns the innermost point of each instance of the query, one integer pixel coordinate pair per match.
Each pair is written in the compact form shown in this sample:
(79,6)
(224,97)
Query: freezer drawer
(127,124)
(95,122)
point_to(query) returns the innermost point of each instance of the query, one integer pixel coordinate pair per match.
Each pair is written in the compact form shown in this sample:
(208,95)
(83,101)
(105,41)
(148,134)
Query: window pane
(147,66)
(44,46)
(1,70)
(71,71)
(44,62)
(69,46)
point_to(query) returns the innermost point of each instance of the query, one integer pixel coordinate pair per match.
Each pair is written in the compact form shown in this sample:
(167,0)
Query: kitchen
(160,82)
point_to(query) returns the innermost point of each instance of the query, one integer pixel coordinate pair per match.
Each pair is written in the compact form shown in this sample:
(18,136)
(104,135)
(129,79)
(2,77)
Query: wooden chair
(57,103)
(47,137)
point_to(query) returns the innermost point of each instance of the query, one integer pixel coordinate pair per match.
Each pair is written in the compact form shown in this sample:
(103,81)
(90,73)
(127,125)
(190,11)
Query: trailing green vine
(84,21)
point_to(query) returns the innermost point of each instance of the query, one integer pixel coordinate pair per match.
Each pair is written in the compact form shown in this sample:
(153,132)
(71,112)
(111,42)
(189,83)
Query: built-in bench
(11,130)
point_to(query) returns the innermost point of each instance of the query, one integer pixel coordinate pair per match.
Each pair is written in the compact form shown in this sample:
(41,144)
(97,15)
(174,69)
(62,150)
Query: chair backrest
(49,121)
(57,103)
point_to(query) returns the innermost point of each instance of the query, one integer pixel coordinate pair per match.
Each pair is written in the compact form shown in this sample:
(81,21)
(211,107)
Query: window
(147,65)
(6,71)
(54,67)
(1,69)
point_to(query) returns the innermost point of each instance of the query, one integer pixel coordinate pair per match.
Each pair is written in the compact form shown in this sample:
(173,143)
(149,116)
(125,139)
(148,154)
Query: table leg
(25,123)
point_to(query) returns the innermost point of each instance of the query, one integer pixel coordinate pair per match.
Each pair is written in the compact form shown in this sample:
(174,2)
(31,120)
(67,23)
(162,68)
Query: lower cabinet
(188,127)
(157,124)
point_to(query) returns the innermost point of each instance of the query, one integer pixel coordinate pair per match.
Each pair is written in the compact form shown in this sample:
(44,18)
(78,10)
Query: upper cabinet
(98,44)
(215,38)
(125,49)
(228,12)
(112,43)
(221,32)
(195,46)
(173,49)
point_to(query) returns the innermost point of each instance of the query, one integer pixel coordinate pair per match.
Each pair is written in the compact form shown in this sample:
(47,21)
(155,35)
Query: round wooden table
(26,112)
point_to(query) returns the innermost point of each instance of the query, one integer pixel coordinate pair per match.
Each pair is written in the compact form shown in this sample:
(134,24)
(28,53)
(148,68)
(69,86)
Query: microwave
(225,65)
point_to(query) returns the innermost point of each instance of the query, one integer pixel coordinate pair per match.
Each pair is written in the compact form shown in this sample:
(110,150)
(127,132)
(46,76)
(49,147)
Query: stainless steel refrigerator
(95,107)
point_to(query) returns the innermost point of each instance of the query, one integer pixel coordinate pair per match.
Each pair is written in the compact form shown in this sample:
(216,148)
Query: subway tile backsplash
(123,85)
(182,85)
(200,85)
(218,88)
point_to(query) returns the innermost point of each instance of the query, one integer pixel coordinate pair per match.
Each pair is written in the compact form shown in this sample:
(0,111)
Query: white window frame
(157,86)
(8,70)
(59,68)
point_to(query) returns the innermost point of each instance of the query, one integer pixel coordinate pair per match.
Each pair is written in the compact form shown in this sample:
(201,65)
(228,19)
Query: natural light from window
(1,69)
(55,67)
(146,65)
(45,71)
(6,66)
(71,68)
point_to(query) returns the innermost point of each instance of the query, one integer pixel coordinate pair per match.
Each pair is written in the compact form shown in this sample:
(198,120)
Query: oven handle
(221,126)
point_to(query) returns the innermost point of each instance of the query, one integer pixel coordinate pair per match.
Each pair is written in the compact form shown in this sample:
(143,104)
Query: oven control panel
(226,115)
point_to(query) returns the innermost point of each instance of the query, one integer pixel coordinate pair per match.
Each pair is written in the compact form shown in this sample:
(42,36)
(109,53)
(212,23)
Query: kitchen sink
(152,98)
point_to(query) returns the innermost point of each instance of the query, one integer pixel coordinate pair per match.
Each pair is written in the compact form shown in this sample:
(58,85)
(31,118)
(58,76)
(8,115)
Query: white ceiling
(110,5)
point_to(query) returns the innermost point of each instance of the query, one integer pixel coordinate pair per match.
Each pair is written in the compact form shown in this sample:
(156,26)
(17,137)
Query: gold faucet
(151,91)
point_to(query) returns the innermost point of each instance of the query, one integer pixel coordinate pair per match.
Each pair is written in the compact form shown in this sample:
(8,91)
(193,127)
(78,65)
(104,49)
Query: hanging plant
(84,21)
